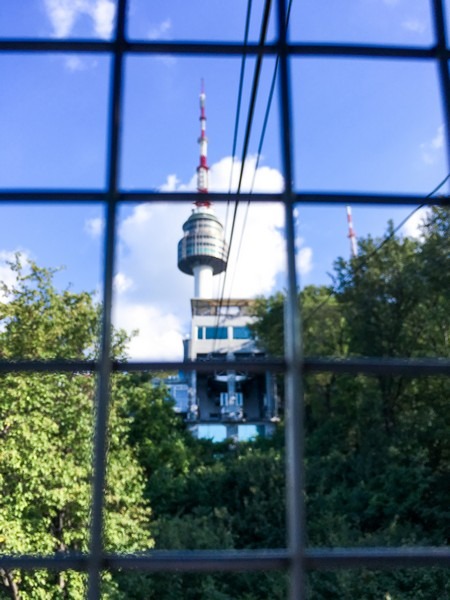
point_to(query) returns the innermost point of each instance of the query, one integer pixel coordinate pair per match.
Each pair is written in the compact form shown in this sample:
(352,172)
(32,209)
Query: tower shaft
(203,281)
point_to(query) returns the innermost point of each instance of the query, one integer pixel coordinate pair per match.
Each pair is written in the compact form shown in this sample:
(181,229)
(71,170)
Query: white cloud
(257,254)
(304,254)
(166,59)
(122,283)
(160,31)
(412,227)
(63,15)
(438,140)
(304,260)
(102,13)
(172,184)
(265,179)
(158,301)
(94,227)
(148,239)
(159,333)
(432,149)
(414,25)
(76,63)
(7,276)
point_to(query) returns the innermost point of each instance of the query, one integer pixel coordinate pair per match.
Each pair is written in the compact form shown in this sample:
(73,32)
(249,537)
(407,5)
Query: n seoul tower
(202,252)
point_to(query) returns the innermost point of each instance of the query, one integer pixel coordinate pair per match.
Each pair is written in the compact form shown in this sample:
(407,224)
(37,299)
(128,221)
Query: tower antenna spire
(203,169)
(351,233)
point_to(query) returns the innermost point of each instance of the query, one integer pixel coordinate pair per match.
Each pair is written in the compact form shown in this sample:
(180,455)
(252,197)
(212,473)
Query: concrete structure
(233,403)
(240,400)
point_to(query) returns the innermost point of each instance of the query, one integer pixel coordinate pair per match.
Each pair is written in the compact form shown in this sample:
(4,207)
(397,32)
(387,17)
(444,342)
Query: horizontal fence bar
(322,50)
(190,197)
(368,198)
(139,47)
(376,558)
(52,45)
(298,197)
(203,561)
(205,47)
(71,366)
(47,366)
(326,50)
(411,367)
(206,366)
(198,561)
(60,196)
(56,562)
(52,195)
(159,561)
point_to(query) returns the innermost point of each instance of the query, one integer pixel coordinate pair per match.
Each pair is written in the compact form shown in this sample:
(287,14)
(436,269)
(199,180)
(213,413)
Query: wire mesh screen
(297,558)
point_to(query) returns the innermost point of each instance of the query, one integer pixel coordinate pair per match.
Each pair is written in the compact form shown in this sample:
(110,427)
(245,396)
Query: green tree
(46,433)
(377,448)
(205,495)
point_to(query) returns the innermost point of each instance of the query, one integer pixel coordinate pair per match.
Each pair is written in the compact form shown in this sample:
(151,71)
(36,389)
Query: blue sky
(373,126)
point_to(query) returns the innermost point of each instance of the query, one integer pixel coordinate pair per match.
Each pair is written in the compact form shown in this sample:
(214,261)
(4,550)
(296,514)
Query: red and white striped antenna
(202,169)
(351,233)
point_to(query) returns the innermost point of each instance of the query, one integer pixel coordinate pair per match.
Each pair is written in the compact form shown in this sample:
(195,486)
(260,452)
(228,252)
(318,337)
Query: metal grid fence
(296,558)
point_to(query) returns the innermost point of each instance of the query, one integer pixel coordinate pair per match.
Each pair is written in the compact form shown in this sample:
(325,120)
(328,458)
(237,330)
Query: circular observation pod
(203,244)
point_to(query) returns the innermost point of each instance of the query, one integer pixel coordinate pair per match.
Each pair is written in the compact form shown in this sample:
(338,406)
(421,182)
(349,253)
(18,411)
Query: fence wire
(296,558)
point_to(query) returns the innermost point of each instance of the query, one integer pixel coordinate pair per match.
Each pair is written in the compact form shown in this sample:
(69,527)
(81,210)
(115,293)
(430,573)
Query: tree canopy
(46,439)
(377,448)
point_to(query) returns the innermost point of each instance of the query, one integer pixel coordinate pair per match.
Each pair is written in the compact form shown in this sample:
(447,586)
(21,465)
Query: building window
(216,333)
(241,333)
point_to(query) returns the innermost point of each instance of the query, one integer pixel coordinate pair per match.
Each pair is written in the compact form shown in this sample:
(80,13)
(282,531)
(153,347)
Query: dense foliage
(377,448)
(46,432)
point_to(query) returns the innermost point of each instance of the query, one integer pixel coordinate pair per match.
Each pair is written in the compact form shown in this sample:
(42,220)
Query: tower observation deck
(203,251)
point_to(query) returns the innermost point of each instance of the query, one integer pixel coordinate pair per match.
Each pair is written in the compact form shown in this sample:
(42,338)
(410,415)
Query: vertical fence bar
(105,359)
(293,346)
(294,421)
(441,41)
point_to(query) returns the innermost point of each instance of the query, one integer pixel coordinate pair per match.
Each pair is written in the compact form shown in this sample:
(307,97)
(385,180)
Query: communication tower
(202,252)
(238,402)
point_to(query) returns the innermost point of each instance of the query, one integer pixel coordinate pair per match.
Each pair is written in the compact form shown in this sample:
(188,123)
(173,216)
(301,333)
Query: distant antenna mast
(351,232)
(202,169)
